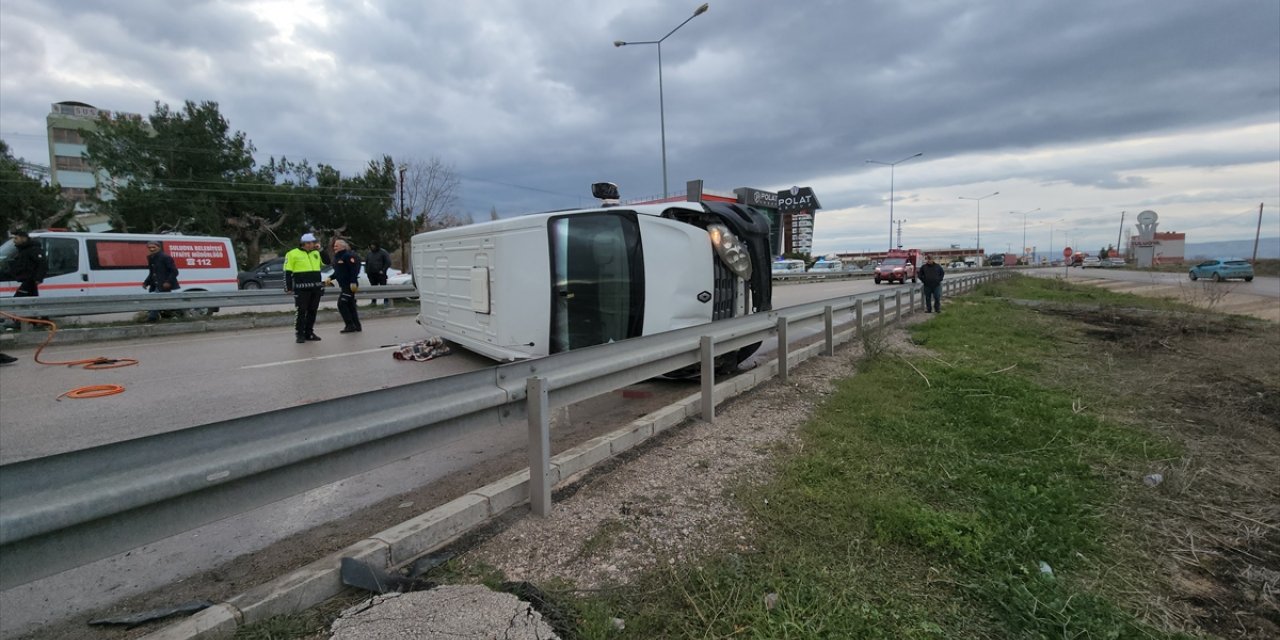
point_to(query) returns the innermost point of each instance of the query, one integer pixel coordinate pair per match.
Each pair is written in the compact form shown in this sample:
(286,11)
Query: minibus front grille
(726,292)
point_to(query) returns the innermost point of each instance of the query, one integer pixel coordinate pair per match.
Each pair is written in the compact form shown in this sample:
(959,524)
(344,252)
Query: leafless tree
(250,229)
(431,190)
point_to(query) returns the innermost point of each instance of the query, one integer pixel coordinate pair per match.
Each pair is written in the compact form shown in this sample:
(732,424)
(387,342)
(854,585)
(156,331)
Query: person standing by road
(931,275)
(162,276)
(27,266)
(346,270)
(302,278)
(376,263)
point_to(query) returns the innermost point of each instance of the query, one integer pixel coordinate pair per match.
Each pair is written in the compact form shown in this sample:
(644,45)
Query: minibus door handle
(84,277)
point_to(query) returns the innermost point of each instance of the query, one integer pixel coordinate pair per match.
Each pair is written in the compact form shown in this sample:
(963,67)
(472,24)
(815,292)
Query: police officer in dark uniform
(346,270)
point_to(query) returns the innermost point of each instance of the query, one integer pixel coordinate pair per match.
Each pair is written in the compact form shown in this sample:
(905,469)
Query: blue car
(1223,268)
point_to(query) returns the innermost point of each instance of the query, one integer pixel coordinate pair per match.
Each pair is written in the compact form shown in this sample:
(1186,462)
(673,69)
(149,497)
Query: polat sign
(797,199)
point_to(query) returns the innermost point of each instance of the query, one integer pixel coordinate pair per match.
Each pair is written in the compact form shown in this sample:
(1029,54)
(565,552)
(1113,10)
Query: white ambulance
(91,264)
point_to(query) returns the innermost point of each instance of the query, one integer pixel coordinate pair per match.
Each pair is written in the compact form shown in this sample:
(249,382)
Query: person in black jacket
(931,275)
(376,263)
(27,266)
(162,276)
(346,270)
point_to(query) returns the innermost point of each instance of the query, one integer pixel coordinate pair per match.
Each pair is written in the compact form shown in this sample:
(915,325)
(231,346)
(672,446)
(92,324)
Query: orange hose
(100,362)
(93,391)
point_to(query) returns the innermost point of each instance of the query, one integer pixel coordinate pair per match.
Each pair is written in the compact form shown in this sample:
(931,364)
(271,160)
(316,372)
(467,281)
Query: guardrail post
(829,319)
(911,295)
(881,316)
(536,398)
(782,348)
(857,314)
(897,305)
(707,346)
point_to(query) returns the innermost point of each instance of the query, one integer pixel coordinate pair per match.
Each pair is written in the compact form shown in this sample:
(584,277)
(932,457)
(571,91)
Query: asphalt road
(1261,286)
(184,381)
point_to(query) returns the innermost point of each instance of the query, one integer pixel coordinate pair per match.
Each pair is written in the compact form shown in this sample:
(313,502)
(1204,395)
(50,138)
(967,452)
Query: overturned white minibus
(543,283)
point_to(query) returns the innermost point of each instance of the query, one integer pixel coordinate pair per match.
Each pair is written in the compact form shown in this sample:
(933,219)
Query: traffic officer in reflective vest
(302,279)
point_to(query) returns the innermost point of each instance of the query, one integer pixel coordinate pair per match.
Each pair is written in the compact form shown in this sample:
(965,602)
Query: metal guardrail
(64,306)
(65,510)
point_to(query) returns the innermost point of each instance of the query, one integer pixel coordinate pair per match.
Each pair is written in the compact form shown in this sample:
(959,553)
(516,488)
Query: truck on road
(898,266)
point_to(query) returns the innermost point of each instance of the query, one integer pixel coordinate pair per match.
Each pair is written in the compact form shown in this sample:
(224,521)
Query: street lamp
(662,115)
(891,165)
(1024,227)
(979,240)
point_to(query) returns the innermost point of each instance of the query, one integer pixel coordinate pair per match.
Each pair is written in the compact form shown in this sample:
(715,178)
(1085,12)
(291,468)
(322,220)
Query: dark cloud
(532,102)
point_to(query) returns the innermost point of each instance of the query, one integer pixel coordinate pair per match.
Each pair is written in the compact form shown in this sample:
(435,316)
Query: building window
(69,163)
(70,136)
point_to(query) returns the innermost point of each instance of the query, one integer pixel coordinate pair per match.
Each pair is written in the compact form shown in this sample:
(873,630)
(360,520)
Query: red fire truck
(898,265)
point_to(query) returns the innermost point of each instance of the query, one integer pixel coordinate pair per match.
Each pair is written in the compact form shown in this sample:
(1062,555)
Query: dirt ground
(1210,525)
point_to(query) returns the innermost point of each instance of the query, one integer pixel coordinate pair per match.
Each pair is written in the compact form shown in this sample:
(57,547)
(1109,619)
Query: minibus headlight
(732,252)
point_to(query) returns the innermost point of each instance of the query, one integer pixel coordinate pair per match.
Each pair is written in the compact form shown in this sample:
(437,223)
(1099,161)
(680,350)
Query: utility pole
(1257,234)
(900,233)
(1120,234)
(404,225)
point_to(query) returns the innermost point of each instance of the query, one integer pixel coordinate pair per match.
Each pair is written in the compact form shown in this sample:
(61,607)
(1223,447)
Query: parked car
(1090,262)
(1113,262)
(270,275)
(1222,269)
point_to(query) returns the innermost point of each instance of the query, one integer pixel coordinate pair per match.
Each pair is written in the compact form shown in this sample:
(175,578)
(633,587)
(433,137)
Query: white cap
(308,237)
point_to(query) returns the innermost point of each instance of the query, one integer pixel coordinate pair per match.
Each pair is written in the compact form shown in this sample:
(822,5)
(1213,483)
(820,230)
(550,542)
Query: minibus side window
(62,255)
(597,280)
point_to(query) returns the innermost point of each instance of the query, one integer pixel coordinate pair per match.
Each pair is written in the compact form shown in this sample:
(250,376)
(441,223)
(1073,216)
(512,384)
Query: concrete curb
(394,547)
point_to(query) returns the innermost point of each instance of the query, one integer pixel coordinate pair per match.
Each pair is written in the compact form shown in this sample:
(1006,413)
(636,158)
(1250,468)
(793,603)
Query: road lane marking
(332,355)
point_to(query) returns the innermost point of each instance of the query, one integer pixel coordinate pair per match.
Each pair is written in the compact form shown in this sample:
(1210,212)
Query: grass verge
(963,489)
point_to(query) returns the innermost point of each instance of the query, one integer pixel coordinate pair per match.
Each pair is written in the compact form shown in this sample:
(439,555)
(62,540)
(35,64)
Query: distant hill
(1268,248)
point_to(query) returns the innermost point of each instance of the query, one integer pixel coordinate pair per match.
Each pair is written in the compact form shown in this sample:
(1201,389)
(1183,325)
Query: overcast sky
(1080,109)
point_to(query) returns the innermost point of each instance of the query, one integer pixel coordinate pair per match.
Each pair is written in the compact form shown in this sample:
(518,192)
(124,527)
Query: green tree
(178,171)
(26,202)
(356,207)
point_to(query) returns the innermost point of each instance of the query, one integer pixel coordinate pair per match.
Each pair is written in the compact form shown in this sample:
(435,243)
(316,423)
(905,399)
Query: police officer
(346,270)
(302,278)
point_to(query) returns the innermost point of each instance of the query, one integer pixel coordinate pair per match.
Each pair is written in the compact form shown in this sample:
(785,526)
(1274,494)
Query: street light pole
(662,110)
(979,201)
(891,165)
(1024,227)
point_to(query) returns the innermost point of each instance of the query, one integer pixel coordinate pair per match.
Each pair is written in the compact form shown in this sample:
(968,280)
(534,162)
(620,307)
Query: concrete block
(231,323)
(666,417)
(173,329)
(505,493)
(216,622)
(308,586)
(581,457)
(629,436)
(434,528)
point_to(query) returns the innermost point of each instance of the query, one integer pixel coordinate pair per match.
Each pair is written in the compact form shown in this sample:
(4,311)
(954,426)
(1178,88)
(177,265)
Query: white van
(538,284)
(91,264)
(786,266)
(827,266)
